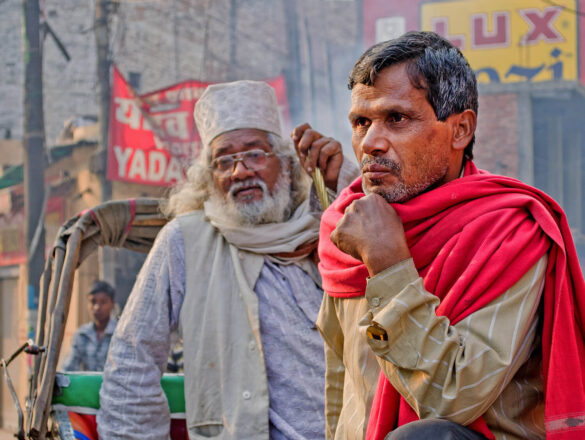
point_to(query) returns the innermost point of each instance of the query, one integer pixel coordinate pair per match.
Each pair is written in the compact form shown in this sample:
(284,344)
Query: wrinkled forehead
(235,141)
(392,91)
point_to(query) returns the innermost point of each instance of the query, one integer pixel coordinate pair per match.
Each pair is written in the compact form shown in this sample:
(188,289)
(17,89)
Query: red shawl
(471,240)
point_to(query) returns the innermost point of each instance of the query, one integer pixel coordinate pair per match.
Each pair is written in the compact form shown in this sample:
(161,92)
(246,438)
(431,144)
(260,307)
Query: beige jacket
(486,365)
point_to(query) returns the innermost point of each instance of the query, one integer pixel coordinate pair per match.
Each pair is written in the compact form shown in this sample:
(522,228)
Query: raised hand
(372,232)
(315,150)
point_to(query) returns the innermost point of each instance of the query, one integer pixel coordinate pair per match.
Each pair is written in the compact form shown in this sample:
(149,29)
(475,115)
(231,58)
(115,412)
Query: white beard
(271,208)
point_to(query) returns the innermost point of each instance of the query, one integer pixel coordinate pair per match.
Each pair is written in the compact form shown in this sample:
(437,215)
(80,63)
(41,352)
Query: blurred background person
(91,341)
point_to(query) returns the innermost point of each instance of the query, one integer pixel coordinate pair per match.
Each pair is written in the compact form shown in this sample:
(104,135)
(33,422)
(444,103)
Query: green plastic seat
(80,392)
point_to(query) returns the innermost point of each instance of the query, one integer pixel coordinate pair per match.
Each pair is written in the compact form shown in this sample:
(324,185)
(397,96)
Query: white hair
(198,187)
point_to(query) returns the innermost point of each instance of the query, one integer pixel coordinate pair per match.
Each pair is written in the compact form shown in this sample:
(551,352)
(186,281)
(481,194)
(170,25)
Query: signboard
(153,138)
(388,28)
(384,20)
(12,241)
(523,40)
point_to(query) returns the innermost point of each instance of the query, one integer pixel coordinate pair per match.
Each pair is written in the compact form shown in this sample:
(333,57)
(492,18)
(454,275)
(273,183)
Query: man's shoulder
(196,213)
(111,326)
(173,230)
(191,217)
(195,226)
(84,329)
(499,187)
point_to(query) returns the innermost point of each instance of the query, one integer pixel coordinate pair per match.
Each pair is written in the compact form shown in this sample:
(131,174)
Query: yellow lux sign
(510,40)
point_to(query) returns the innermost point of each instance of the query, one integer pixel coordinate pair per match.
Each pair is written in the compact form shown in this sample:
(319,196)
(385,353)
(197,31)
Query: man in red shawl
(464,285)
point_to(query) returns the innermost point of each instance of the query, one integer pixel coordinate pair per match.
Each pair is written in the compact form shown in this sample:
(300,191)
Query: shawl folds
(472,239)
(284,243)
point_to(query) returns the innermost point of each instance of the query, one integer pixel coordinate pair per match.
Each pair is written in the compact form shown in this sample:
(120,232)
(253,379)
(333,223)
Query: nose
(240,172)
(376,140)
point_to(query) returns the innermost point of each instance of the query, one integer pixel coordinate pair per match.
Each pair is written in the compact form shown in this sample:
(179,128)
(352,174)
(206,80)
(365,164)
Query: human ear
(464,128)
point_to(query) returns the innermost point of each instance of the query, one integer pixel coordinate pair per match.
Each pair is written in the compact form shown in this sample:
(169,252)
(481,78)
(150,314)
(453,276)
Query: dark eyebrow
(353,116)
(399,109)
(219,151)
(392,110)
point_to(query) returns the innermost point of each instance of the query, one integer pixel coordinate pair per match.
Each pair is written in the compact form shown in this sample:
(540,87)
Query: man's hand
(315,150)
(372,232)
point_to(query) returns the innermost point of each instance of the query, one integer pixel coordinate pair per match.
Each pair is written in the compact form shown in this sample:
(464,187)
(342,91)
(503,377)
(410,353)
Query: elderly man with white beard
(234,271)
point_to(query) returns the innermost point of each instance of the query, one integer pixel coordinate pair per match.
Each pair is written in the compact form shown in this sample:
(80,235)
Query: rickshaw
(63,405)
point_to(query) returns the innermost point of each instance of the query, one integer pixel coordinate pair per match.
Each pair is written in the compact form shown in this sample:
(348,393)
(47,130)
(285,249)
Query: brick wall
(171,41)
(11,69)
(69,87)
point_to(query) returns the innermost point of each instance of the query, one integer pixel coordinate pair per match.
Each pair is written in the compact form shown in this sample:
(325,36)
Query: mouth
(375,171)
(247,192)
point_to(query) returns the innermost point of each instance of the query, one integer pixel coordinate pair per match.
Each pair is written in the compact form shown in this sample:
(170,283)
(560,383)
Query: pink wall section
(373,9)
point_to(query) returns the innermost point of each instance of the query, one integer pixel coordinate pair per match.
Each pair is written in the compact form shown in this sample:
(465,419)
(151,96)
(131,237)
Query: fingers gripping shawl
(471,240)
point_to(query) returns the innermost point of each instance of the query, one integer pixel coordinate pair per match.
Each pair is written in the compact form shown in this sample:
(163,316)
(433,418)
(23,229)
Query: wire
(40,224)
(573,11)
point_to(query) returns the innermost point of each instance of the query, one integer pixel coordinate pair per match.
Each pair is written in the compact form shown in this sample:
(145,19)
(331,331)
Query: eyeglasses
(253,160)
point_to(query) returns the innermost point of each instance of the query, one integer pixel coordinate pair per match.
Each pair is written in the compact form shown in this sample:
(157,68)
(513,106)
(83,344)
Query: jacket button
(252,346)
(375,302)
(376,332)
(246,395)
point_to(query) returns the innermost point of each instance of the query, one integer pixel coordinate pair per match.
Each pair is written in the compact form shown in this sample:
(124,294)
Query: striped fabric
(288,304)
(487,364)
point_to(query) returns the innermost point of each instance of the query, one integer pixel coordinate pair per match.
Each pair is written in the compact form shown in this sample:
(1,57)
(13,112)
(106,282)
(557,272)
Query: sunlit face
(100,307)
(241,179)
(402,148)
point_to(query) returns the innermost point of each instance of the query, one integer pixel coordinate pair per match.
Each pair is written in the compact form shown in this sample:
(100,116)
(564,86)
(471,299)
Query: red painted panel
(375,9)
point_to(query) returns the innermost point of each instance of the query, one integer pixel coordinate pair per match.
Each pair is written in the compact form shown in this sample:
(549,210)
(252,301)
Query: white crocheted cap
(231,106)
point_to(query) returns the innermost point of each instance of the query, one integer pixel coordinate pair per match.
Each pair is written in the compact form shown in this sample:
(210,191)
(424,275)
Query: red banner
(152,138)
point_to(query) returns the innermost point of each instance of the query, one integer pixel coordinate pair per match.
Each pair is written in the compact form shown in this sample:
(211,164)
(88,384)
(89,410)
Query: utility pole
(232,67)
(102,39)
(293,70)
(34,159)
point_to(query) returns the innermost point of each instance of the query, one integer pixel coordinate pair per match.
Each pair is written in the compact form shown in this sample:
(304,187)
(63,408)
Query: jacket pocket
(205,430)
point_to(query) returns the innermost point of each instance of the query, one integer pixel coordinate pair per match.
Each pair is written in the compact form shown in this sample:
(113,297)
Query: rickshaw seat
(77,395)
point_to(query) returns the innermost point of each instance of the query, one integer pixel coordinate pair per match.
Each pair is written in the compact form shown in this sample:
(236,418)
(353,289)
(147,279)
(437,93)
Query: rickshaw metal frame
(132,224)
